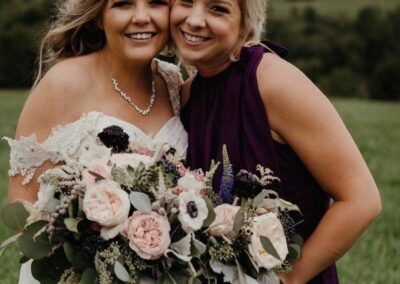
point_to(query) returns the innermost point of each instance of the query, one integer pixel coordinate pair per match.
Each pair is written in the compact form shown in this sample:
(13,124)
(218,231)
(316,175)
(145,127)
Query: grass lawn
(348,8)
(376,128)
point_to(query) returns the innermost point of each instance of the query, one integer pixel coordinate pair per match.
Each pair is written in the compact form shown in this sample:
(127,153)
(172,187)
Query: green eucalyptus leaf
(197,248)
(166,278)
(70,252)
(140,201)
(121,176)
(269,247)
(294,252)
(35,247)
(14,216)
(23,259)
(72,224)
(81,261)
(297,239)
(89,276)
(39,270)
(211,213)
(121,272)
(239,219)
(259,198)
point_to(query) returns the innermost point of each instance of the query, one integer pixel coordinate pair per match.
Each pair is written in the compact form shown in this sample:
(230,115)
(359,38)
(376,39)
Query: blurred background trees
(355,53)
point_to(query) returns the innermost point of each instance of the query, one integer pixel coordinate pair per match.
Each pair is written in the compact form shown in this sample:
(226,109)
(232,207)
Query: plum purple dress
(227,109)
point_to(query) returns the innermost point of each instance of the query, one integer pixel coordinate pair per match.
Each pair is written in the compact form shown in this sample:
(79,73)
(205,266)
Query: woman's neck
(207,69)
(129,73)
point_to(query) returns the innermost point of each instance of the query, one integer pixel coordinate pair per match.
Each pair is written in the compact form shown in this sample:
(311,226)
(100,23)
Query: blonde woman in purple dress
(268,112)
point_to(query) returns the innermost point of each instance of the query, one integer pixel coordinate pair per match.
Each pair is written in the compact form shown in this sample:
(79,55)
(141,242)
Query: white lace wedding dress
(70,140)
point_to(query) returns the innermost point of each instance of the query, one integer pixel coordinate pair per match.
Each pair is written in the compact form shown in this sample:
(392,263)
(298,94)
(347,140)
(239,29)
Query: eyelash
(159,2)
(214,8)
(219,9)
(121,4)
(151,2)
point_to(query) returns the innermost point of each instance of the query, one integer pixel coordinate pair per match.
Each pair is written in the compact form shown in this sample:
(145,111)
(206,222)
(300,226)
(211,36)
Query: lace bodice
(68,141)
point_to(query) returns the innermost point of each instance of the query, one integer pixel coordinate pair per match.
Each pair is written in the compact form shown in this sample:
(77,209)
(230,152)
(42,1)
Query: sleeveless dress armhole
(27,154)
(173,78)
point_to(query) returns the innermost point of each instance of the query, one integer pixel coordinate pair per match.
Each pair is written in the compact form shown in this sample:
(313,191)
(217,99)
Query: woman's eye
(122,3)
(159,2)
(186,2)
(219,9)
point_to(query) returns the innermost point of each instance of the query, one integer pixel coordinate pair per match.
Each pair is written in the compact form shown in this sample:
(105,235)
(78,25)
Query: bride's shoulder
(56,99)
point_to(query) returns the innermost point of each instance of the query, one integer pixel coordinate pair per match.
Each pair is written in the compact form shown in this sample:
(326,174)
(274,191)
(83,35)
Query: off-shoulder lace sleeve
(27,154)
(172,76)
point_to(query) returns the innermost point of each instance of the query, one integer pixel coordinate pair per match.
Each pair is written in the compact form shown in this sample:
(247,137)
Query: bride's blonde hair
(75,31)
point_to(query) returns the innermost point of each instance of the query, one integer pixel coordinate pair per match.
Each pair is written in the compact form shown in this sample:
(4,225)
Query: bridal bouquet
(124,213)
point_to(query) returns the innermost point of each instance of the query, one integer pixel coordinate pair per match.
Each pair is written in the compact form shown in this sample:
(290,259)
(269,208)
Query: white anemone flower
(192,211)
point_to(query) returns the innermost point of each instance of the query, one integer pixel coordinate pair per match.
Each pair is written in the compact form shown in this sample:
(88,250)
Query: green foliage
(34,242)
(346,56)
(14,216)
(22,23)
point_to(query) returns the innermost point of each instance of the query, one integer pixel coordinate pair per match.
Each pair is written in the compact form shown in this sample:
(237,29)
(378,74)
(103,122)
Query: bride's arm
(48,105)
(303,117)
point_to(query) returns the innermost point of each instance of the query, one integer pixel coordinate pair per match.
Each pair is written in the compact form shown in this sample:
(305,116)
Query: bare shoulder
(280,80)
(289,95)
(55,100)
(186,90)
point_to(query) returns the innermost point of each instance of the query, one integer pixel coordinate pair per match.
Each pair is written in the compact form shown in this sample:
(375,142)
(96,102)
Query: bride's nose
(141,14)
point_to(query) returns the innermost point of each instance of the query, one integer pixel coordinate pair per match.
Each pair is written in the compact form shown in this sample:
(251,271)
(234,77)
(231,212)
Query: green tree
(22,23)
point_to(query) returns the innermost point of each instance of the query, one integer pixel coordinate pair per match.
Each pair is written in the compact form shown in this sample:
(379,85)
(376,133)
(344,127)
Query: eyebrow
(221,2)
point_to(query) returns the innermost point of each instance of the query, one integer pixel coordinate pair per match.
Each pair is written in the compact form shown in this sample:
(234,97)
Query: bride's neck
(130,74)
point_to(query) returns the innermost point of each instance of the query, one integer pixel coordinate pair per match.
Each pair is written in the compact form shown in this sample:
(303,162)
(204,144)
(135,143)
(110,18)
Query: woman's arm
(303,117)
(50,104)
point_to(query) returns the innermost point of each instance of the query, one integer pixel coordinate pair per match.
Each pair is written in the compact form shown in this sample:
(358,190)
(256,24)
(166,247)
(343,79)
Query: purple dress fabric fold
(227,109)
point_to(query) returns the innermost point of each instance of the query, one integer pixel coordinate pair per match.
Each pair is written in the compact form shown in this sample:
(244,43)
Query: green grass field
(376,129)
(348,8)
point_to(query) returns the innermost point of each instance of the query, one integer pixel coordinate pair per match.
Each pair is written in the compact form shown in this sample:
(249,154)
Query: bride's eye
(121,4)
(159,2)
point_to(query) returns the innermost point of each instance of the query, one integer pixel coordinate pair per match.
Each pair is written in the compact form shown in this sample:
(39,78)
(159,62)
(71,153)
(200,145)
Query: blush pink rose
(148,234)
(102,170)
(107,204)
(224,219)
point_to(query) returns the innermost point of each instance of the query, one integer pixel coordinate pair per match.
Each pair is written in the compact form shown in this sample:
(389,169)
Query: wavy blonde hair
(75,31)
(254,16)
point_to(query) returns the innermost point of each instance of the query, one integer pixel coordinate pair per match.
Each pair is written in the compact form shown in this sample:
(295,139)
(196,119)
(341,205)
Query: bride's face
(136,30)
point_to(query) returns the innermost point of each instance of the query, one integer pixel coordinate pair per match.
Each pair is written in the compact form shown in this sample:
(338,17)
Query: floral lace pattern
(67,141)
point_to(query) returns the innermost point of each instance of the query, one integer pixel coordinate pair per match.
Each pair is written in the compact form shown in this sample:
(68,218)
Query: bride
(97,68)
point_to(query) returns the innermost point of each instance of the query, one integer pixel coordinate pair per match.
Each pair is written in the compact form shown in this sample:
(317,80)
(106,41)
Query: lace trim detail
(27,154)
(172,76)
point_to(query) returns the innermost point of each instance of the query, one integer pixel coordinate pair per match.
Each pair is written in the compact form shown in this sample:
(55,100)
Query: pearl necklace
(126,97)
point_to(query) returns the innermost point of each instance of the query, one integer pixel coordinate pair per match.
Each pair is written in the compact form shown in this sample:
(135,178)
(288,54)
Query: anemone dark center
(192,209)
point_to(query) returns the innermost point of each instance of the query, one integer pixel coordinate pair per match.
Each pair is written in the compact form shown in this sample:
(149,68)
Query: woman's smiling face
(206,32)
(136,29)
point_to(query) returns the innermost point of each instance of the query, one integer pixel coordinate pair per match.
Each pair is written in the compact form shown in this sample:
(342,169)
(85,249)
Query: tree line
(352,57)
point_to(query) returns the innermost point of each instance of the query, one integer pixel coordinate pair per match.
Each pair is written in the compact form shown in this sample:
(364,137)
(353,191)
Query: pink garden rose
(148,234)
(224,219)
(107,204)
(102,170)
